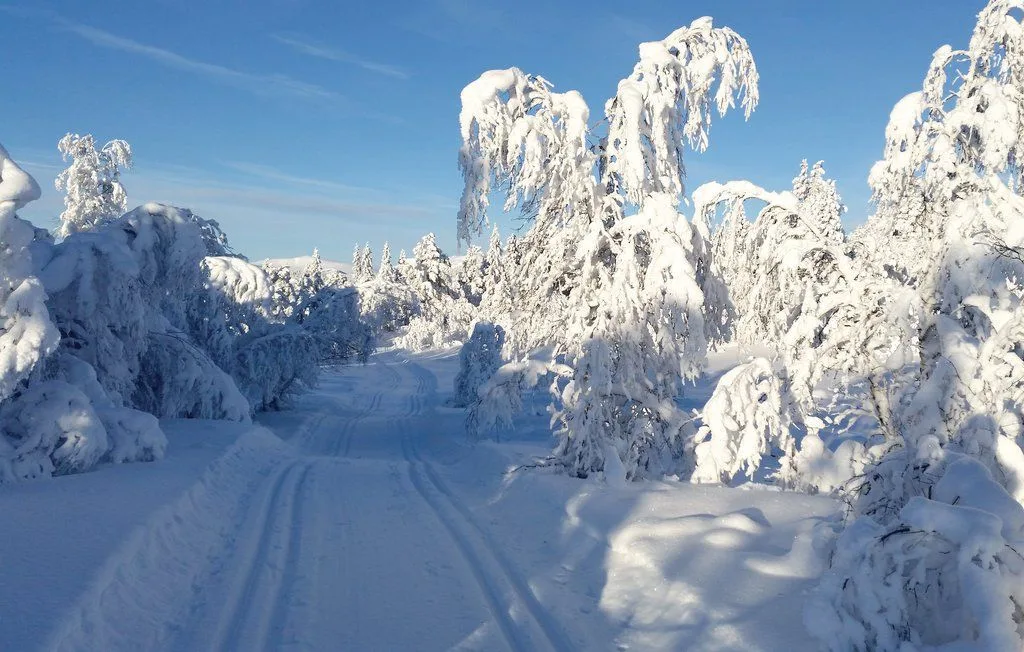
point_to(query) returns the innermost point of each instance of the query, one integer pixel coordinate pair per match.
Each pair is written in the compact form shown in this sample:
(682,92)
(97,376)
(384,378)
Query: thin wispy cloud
(304,45)
(256,83)
(273,174)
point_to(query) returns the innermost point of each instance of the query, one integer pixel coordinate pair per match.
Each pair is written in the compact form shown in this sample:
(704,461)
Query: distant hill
(299,263)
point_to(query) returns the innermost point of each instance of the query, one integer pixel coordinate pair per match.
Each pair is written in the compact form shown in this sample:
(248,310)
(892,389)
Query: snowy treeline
(131,316)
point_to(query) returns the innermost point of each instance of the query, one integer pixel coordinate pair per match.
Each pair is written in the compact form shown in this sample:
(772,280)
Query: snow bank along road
(345,528)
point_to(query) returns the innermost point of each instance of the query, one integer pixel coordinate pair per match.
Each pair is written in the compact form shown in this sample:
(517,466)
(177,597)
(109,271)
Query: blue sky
(301,123)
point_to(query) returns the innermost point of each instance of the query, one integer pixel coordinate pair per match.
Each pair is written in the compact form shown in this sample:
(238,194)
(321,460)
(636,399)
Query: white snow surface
(363,520)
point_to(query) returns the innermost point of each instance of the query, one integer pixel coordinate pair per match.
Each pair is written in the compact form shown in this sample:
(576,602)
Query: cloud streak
(258,84)
(304,45)
(273,174)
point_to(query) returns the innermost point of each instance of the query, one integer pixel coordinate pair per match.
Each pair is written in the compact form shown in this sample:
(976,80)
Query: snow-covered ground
(362,520)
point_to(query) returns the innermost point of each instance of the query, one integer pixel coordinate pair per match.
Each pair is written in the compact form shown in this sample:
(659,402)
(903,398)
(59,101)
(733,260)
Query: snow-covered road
(362,520)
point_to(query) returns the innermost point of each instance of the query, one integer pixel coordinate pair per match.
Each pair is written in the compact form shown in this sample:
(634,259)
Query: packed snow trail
(361,521)
(352,541)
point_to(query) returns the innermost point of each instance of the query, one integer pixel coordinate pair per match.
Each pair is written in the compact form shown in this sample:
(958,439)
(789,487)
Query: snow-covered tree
(518,134)
(387,305)
(357,263)
(479,358)
(469,274)
(622,297)
(366,264)
(818,203)
(666,105)
(643,338)
(747,417)
(314,272)
(92,182)
(332,317)
(939,515)
(285,292)
(386,271)
(27,335)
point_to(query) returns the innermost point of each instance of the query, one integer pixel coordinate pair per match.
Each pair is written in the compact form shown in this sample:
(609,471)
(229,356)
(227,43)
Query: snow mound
(168,555)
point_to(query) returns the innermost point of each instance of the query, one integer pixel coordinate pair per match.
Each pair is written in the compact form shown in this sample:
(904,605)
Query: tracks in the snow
(256,606)
(505,591)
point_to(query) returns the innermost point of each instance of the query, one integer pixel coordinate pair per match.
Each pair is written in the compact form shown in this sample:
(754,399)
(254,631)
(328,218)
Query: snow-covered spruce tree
(818,202)
(368,263)
(386,270)
(313,275)
(469,274)
(92,182)
(285,292)
(933,558)
(619,296)
(444,314)
(479,358)
(357,263)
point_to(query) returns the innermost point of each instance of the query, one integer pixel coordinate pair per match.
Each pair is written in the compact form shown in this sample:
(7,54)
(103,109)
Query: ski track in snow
(292,568)
(476,545)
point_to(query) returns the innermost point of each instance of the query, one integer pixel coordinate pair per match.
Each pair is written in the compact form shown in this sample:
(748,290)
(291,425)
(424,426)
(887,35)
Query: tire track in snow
(278,507)
(477,545)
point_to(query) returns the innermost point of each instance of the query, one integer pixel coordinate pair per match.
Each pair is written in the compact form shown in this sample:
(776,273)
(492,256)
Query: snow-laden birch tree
(92,183)
(590,280)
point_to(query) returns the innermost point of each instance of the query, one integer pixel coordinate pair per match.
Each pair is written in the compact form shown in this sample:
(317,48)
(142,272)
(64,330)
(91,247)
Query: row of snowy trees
(892,368)
(120,318)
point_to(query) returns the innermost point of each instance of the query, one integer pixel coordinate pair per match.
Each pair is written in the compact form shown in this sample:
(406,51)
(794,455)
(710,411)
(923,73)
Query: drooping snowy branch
(666,105)
(520,137)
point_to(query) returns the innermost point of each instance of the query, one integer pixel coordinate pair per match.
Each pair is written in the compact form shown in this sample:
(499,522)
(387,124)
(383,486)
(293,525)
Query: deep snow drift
(363,520)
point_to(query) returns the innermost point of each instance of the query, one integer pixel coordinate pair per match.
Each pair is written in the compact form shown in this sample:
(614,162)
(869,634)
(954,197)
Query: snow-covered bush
(51,429)
(92,182)
(747,418)
(500,398)
(178,379)
(332,317)
(944,571)
(479,358)
(272,368)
